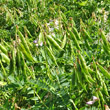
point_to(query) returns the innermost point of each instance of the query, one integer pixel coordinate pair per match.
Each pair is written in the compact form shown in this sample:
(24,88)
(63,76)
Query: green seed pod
(99,77)
(24,42)
(91,71)
(4,72)
(87,35)
(63,17)
(83,63)
(76,33)
(105,89)
(12,62)
(34,21)
(79,71)
(70,49)
(101,96)
(27,55)
(29,44)
(86,76)
(23,66)
(94,65)
(41,38)
(106,49)
(58,40)
(63,42)
(103,71)
(5,58)
(74,78)
(54,43)
(80,76)
(49,45)
(25,28)
(84,68)
(51,55)
(104,40)
(7,45)
(3,49)
(75,40)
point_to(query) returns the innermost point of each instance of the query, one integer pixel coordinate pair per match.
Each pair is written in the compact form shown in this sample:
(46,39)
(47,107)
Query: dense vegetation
(54,54)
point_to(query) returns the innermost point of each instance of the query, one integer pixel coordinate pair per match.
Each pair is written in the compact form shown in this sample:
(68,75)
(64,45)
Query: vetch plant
(53,56)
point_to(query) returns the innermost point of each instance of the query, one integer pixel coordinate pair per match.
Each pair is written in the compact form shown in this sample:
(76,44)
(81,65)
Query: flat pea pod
(24,42)
(54,43)
(80,77)
(4,72)
(29,44)
(23,66)
(101,96)
(7,45)
(76,33)
(82,60)
(41,38)
(12,62)
(63,42)
(43,53)
(91,71)
(84,68)
(70,48)
(27,31)
(104,40)
(74,78)
(99,77)
(49,45)
(85,75)
(26,54)
(94,66)
(79,71)
(3,49)
(106,49)
(87,35)
(5,58)
(103,71)
(58,40)
(105,89)
(63,8)
(51,55)
(63,16)
(34,21)
(74,39)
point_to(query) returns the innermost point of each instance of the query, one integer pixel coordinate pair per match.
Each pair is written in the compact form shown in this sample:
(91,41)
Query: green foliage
(54,55)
